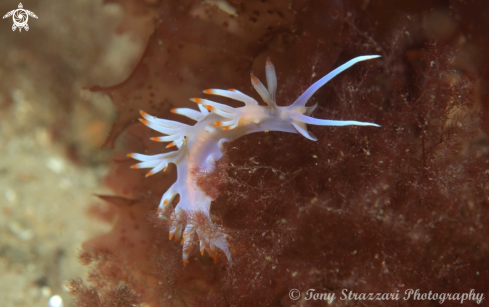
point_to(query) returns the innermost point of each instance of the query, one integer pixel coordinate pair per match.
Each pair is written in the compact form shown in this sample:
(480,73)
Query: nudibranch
(200,146)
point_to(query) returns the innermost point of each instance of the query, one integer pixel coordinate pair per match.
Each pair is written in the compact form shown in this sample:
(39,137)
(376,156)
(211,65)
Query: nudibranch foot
(199,146)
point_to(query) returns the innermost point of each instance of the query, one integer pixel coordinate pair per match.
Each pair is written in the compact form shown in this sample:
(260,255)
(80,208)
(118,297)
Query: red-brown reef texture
(405,206)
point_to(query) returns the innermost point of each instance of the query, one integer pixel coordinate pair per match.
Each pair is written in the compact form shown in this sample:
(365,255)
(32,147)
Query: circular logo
(20,18)
(294,294)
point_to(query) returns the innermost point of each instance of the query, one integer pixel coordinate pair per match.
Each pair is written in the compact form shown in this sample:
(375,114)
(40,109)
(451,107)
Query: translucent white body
(200,146)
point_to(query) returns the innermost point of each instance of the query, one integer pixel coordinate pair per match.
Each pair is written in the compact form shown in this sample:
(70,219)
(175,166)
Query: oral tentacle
(302,100)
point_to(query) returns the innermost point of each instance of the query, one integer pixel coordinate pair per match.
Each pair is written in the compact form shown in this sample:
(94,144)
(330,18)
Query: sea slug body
(200,146)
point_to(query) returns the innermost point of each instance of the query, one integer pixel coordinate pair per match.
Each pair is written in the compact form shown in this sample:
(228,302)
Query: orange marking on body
(226,128)
(135,166)
(218,123)
(173,111)
(165,169)
(129,155)
(255,79)
(165,202)
(231,89)
(145,122)
(185,262)
(170,236)
(208,91)
(155,139)
(143,113)
(149,174)
(202,252)
(170,145)
(210,108)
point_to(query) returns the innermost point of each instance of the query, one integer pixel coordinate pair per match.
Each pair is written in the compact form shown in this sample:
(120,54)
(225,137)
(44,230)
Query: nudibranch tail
(200,145)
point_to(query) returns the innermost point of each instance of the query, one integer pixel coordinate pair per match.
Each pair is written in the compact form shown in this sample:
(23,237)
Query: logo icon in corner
(20,17)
